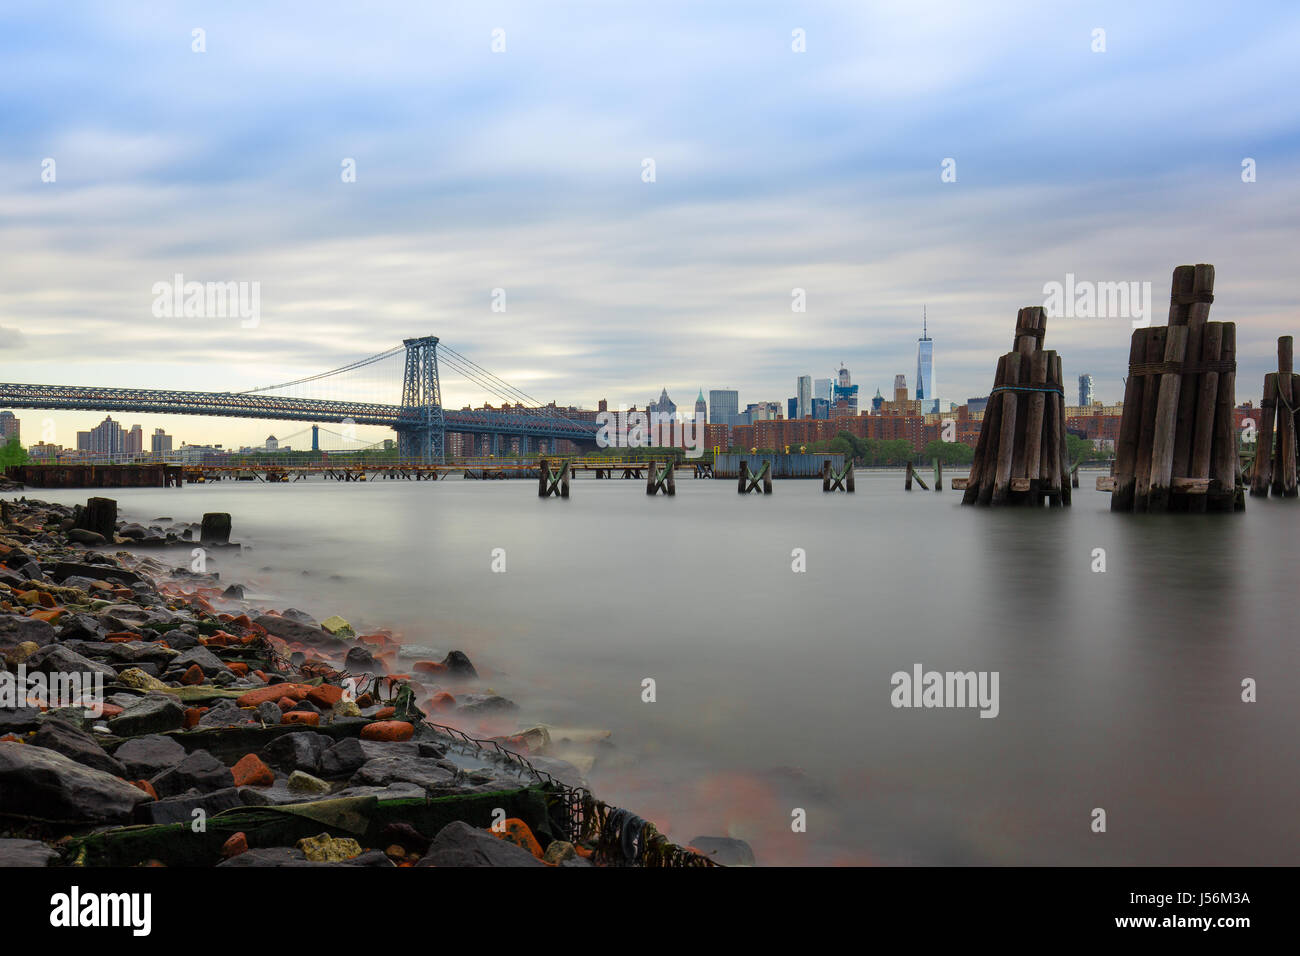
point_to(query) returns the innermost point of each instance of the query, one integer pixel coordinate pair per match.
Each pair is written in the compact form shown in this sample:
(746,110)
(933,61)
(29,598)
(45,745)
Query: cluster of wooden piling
(1177,447)
(552,482)
(657,481)
(1275,444)
(1020,457)
(841,480)
(745,483)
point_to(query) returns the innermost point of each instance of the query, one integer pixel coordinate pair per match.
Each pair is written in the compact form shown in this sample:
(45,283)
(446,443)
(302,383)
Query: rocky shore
(151,715)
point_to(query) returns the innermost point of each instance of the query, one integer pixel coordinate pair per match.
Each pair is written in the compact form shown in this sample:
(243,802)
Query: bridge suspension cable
(360,363)
(494,384)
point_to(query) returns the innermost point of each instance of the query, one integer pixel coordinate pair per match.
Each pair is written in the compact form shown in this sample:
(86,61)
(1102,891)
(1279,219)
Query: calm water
(1118,690)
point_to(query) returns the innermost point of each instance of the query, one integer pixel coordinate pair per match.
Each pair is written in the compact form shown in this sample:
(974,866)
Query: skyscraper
(701,410)
(900,388)
(1086,393)
(665,405)
(845,391)
(161,441)
(724,406)
(9,427)
(822,389)
(106,438)
(804,393)
(925,390)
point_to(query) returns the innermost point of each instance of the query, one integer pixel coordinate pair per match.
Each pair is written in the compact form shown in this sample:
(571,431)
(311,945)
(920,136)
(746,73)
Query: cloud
(522,171)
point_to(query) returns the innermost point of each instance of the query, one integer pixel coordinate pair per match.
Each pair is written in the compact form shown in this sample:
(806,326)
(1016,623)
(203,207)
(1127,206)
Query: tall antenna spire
(925,335)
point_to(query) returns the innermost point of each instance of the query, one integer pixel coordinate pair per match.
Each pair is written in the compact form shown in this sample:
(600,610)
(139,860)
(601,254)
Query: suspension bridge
(420,421)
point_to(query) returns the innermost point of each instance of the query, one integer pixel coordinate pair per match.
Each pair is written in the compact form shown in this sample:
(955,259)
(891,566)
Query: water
(1118,690)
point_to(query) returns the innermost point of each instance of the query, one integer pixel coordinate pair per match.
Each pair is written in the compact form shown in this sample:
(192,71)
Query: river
(1118,690)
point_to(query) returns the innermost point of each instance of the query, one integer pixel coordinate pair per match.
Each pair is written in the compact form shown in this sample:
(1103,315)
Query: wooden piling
(1125,467)
(1284,470)
(1223,457)
(1167,424)
(1262,470)
(1018,457)
(1203,411)
(1150,400)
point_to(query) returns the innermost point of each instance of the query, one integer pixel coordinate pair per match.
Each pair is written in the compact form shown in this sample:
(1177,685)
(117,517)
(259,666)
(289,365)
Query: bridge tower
(421,428)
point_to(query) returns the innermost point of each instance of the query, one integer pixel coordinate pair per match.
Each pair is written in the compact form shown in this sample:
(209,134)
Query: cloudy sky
(522,170)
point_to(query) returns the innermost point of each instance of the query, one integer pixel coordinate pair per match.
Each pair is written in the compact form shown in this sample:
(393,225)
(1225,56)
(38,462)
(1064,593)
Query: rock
(150,715)
(328,849)
(137,678)
(296,751)
(343,759)
(181,639)
(129,653)
(148,756)
(268,856)
(97,572)
(383,771)
(225,713)
(208,662)
(82,536)
(302,617)
(199,771)
(80,746)
(725,850)
(306,783)
(132,617)
(370,858)
(459,844)
(41,783)
(234,592)
(57,659)
(81,627)
(345,708)
(478,704)
(288,630)
(291,856)
(338,627)
(180,809)
(559,851)
(361,661)
(19,654)
(16,629)
(406,836)
(19,720)
(268,712)
(26,853)
(458,666)
(215,528)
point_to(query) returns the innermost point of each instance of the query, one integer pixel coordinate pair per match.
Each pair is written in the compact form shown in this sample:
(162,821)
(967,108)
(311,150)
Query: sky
(523,169)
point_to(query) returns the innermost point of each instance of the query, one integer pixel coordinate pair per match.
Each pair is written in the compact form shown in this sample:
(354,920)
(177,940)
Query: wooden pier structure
(1274,467)
(1177,447)
(1020,457)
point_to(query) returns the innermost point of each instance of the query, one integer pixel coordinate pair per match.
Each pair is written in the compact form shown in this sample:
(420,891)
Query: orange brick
(388,730)
(250,771)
